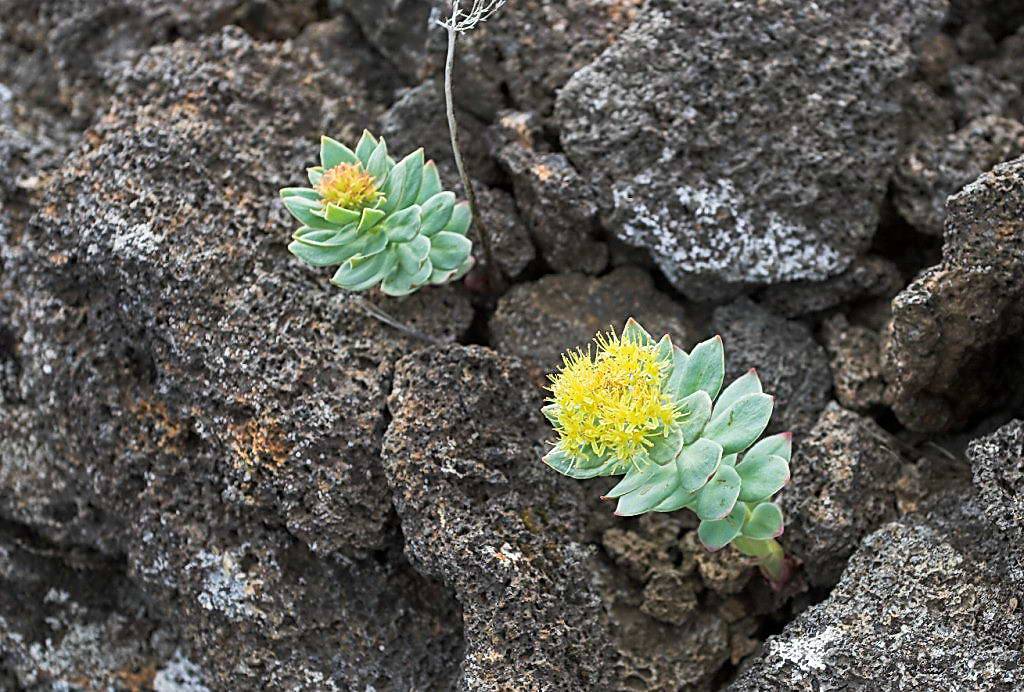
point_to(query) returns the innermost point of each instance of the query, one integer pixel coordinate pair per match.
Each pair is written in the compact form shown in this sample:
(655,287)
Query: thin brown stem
(494,271)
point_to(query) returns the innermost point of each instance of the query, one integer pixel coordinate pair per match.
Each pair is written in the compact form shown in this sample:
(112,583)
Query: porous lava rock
(732,140)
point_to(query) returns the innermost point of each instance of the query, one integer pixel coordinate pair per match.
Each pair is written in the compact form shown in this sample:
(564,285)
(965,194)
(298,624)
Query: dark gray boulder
(843,486)
(951,347)
(915,610)
(792,366)
(746,144)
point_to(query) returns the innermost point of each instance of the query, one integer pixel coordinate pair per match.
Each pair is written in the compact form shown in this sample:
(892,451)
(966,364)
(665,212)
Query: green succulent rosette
(705,455)
(380,222)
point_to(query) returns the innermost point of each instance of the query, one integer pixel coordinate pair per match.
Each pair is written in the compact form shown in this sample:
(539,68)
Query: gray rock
(936,167)
(60,53)
(519,58)
(732,141)
(870,276)
(539,321)
(207,406)
(462,450)
(558,204)
(997,462)
(993,84)
(73,620)
(791,365)
(855,362)
(508,536)
(915,610)
(954,328)
(418,119)
(843,485)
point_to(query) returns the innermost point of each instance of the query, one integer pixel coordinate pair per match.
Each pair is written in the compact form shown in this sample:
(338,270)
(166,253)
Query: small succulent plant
(380,222)
(658,416)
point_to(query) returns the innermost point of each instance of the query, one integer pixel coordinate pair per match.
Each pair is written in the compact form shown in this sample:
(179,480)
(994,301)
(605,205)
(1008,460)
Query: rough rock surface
(790,363)
(483,515)
(856,366)
(206,405)
(869,276)
(558,204)
(938,166)
(732,140)
(915,610)
(74,621)
(539,321)
(958,326)
(58,52)
(997,462)
(523,54)
(843,487)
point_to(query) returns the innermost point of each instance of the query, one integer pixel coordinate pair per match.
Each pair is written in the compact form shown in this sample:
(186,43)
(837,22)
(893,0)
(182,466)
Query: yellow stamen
(611,400)
(349,187)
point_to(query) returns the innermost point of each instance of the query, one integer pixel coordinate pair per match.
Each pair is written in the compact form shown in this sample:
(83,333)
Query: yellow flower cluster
(611,400)
(349,187)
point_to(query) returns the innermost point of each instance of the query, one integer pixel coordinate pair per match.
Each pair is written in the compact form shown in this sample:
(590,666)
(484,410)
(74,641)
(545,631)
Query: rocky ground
(216,473)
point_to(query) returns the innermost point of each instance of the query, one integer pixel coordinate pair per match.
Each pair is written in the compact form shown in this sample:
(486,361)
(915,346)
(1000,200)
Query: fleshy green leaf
(340,215)
(677,500)
(741,386)
(695,411)
(717,499)
(306,192)
(398,284)
(715,535)
(737,427)
(762,477)
(461,219)
(764,522)
(402,226)
(437,212)
(370,218)
(698,463)
(431,183)
(730,459)
(705,369)
(378,165)
(753,548)
(660,485)
(359,274)
(319,256)
(365,148)
(302,209)
(663,349)
(315,174)
(409,260)
(550,412)
(634,332)
(413,179)
(448,250)
(634,478)
(333,153)
(393,188)
(666,447)
(679,360)
(780,445)
(579,467)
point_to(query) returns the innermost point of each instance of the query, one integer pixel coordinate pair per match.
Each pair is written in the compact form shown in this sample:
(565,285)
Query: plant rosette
(656,415)
(380,222)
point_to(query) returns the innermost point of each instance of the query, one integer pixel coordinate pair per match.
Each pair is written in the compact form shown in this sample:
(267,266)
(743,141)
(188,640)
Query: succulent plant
(378,221)
(658,416)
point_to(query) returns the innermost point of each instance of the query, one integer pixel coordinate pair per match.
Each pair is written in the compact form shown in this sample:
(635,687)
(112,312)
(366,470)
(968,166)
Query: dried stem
(378,314)
(460,22)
